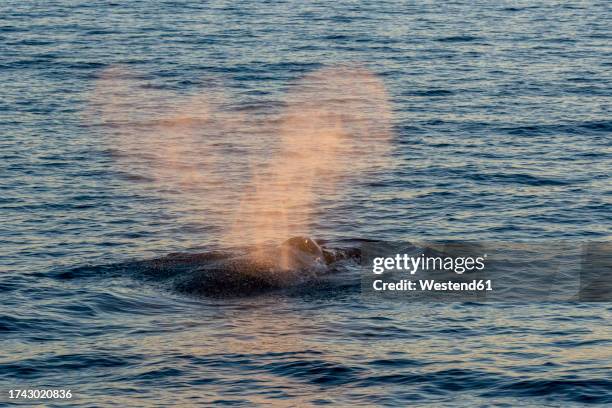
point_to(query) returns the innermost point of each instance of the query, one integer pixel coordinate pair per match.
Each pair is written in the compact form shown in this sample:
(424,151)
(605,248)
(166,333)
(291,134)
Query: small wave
(518,178)
(433,92)
(591,391)
(320,372)
(37,367)
(458,38)
(562,128)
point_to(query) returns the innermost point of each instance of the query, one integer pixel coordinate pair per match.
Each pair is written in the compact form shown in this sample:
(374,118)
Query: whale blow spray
(255,174)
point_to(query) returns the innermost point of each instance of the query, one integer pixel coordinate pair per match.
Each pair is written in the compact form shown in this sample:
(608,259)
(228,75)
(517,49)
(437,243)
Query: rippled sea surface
(501,130)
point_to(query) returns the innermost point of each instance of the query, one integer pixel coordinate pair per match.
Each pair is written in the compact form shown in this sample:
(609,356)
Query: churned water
(129,131)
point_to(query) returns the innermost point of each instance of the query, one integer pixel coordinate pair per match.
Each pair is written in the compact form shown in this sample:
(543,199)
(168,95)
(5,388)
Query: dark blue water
(500,129)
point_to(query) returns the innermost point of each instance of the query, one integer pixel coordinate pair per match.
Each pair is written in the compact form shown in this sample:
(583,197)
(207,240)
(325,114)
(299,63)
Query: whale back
(242,272)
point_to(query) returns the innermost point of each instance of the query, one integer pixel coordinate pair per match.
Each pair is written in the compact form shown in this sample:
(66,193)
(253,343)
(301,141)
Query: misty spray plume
(258,177)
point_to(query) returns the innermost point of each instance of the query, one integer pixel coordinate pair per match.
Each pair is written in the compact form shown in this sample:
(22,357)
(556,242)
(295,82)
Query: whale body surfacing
(304,244)
(296,261)
(302,253)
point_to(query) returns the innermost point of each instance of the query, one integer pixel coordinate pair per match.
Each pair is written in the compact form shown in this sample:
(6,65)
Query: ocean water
(131,131)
